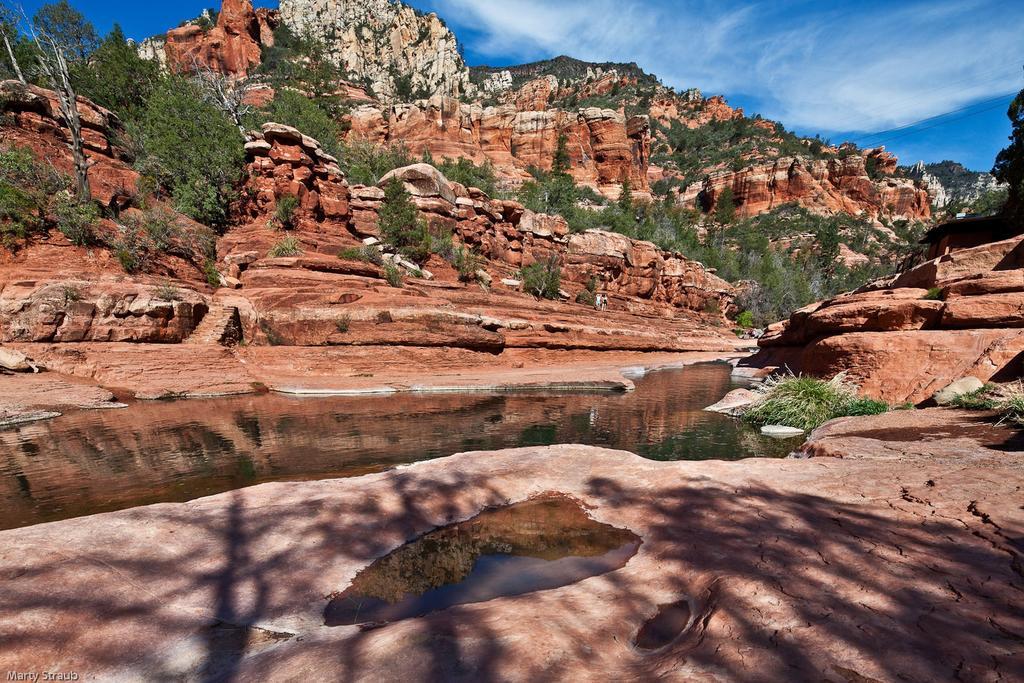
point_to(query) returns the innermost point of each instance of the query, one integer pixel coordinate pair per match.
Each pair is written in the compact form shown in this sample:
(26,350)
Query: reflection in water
(96,461)
(536,545)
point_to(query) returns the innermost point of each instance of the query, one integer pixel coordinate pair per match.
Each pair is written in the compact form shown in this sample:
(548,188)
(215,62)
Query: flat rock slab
(27,398)
(862,568)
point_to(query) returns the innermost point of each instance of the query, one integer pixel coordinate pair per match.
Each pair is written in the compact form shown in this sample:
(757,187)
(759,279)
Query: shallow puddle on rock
(539,544)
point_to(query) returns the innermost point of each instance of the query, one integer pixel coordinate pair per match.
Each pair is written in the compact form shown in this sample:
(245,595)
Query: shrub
(70,294)
(289,246)
(934,294)
(284,214)
(543,280)
(211,273)
(466,262)
(981,399)
(130,248)
(393,275)
(745,320)
(192,149)
(75,219)
(366,163)
(165,291)
(26,188)
(807,403)
(343,323)
(273,338)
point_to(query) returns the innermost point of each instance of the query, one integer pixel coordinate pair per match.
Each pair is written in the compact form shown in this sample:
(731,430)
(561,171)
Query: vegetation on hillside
(1009,166)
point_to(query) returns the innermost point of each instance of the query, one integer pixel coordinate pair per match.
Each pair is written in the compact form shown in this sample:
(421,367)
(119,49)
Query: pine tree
(116,77)
(400,224)
(1009,166)
(626,197)
(561,163)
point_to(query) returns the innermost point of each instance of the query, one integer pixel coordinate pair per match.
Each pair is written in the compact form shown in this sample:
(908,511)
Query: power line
(993,102)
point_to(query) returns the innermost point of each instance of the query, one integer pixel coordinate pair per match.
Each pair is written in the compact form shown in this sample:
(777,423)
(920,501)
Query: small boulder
(16,361)
(422,180)
(734,403)
(958,388)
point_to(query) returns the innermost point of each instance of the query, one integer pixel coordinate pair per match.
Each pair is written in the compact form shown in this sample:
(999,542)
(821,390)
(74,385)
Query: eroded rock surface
(860,568)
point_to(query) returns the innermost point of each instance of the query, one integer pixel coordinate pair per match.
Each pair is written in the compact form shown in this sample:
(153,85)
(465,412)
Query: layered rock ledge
(906,338)
(894,566)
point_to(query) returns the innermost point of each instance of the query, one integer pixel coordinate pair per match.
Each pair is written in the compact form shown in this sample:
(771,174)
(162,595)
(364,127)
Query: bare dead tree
(8,22)
(54,64)
(225,93)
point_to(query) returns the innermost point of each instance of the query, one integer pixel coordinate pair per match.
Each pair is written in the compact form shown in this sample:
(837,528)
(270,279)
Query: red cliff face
(822,185)
(605,147)
(232,47)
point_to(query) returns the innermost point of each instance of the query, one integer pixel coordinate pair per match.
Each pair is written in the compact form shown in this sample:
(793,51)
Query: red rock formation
(605,147)
(825,186)
(901,346)
(232,47)
(34,121)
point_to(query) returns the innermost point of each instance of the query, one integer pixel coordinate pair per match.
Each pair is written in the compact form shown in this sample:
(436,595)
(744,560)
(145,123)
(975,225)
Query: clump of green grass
(393,275)
(807,403)
(985,398)
(934,294)
(289,246)
(1012,410)
(365,253)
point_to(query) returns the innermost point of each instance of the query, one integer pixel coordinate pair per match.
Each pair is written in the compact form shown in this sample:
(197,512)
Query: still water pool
(97,461)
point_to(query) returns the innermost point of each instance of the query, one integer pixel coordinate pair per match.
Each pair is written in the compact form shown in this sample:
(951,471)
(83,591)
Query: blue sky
(846,70)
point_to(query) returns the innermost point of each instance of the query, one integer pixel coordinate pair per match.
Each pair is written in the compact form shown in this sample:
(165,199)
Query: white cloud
(865,67)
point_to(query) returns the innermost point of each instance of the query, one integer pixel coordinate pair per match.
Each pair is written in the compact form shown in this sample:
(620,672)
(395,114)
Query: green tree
(626,197)
(1009,166)
(561,163)
(725,209)
(68,27)
(400,224)
(116,77)
(295,109)
(191,148)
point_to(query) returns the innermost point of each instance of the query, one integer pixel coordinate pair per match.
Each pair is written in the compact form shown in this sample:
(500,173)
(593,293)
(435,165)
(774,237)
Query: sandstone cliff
(53,292)
(605,146)
(828,186)
(232,47)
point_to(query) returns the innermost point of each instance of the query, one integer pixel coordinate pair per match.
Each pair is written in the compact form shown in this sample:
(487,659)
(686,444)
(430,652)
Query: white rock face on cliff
(379,41)
(956,186)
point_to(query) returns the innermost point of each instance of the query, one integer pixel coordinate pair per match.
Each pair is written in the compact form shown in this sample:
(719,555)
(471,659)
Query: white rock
(16,361)
(958,388)
(781,431)
(509,282)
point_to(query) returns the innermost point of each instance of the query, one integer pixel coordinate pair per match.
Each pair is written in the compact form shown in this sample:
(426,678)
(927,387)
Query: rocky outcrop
(605,147)
(828,186)
(34,122)
(906,568)
(232,47)
(949,183)
(903,340)
(300,300)
(388,46)
(69,310)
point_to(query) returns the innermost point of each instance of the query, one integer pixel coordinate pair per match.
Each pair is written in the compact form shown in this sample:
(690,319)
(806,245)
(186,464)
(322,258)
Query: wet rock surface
(889,563)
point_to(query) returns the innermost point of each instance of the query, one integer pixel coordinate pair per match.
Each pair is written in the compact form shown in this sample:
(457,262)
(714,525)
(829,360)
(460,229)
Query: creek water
(95,461)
